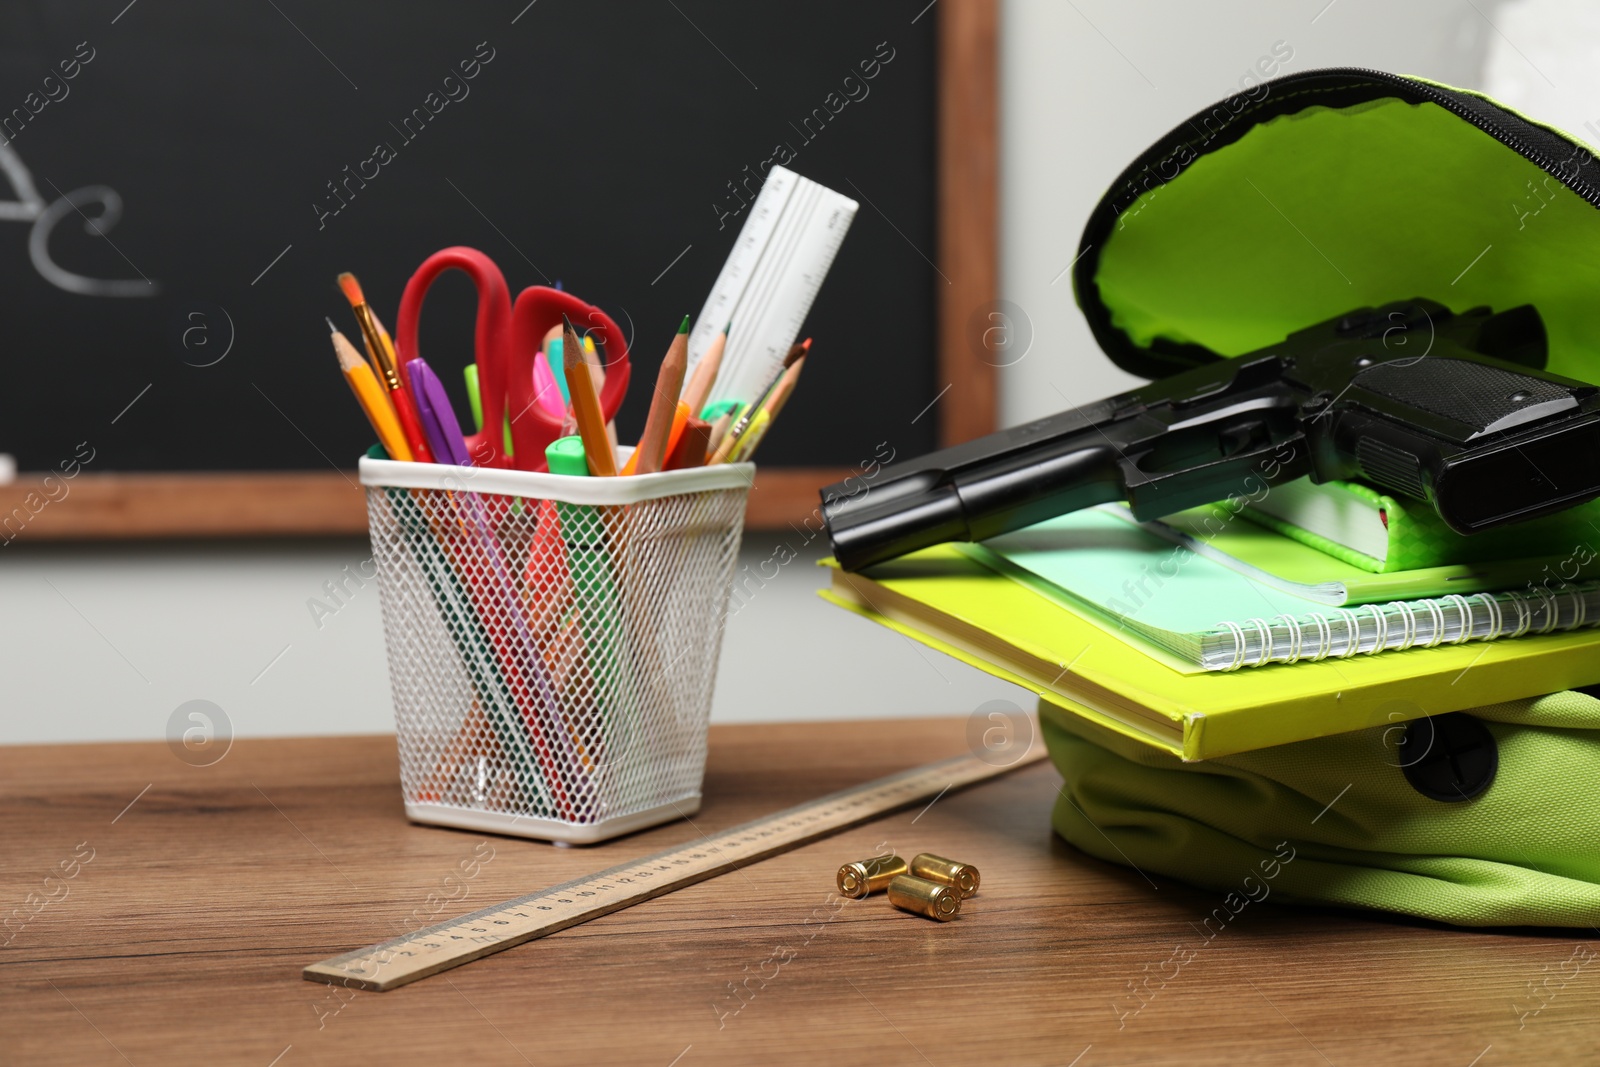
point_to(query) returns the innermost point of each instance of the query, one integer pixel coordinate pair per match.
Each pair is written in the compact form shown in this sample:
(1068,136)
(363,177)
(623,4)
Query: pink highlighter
(545,389)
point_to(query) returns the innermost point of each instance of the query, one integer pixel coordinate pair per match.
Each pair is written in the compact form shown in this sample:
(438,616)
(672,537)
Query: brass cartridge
(910,893)
(869,876)
(962,876)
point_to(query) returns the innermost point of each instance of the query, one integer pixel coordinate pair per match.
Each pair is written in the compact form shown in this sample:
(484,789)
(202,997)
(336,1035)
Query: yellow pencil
(371,396)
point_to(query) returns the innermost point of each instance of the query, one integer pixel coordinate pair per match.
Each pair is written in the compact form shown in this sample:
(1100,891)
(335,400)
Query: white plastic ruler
(766,287)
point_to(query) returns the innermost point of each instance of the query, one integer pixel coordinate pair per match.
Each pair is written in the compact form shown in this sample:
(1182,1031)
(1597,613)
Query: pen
(437,417)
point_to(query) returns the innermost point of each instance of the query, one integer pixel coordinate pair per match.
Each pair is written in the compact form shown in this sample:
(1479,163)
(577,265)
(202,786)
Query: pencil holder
(552,641)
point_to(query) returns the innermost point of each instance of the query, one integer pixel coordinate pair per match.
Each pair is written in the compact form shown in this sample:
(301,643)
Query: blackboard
(235,157)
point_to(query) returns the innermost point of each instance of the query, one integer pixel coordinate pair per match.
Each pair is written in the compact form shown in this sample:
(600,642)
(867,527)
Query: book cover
(946,601)
(1381,533)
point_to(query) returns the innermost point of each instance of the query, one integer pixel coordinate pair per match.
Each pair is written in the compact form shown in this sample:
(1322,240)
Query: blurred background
(104,638)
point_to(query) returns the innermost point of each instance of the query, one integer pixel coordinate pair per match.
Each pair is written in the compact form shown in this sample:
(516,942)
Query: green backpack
(1280,207)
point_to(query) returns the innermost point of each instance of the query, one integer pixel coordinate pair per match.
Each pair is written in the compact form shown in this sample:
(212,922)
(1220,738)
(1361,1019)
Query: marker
(593,588)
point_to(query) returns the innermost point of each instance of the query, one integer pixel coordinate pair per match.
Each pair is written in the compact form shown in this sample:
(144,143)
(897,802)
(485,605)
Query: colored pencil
(652,448)
(691,448)
(704,378)
(745,450)
(731,440)
(586,405)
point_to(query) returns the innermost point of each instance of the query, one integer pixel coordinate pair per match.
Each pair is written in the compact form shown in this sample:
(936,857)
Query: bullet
(910,893)
(962,876)
(858,879)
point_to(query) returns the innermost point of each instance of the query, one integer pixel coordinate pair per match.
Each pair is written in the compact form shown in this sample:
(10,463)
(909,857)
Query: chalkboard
(181,181)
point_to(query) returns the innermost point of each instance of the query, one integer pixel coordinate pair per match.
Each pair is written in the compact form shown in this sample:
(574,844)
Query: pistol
(1455,410)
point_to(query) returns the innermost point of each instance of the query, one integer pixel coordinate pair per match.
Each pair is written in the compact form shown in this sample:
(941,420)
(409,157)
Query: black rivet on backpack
(1449,757)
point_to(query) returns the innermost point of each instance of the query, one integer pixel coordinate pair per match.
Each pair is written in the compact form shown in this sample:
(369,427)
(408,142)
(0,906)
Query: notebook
(945,600)
(1193,607)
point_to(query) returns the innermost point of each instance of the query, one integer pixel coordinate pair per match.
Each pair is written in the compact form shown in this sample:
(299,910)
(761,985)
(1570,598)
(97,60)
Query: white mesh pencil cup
(552,641)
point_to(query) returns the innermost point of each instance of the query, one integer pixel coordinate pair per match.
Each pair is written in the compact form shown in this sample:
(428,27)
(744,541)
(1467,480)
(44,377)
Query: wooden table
(181,940)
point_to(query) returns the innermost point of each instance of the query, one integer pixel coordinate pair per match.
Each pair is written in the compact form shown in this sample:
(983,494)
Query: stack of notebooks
(1318,610)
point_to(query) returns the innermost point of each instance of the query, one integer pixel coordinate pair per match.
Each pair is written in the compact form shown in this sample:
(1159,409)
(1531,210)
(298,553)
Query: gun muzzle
(971,492)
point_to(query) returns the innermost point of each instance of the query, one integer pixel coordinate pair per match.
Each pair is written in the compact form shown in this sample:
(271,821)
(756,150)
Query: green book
(1143,587)
(945,600)
(1382,534)
(1291,565)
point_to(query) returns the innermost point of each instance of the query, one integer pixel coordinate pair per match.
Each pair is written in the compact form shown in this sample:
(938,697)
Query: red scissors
(506,342)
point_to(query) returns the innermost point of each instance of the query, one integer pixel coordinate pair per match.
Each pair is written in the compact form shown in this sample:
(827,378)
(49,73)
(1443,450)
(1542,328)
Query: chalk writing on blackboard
(28,206)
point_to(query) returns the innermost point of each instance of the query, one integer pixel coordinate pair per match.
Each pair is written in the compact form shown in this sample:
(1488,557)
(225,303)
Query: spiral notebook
(1200,611)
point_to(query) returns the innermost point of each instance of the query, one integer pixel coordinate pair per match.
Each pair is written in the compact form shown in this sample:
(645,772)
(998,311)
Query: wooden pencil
(731,440)
(586,405)
(692,448)
(704,377)
(652,450)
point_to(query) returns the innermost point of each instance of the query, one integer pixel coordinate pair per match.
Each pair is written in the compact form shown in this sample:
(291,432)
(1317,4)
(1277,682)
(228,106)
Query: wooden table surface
(184,901)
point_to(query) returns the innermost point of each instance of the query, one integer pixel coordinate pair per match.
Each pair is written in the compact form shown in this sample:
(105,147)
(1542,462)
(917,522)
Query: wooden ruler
(438,948)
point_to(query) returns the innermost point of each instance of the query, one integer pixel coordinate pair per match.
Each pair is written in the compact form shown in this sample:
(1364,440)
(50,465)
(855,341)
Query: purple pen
(438,418)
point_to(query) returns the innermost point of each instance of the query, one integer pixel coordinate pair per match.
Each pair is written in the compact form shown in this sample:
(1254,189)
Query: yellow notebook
(949,602)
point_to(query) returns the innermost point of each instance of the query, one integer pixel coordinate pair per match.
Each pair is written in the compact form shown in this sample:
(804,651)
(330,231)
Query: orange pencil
(586,405)
(652,449)
(593,356)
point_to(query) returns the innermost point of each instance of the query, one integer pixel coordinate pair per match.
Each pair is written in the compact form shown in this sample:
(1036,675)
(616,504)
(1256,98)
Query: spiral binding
(1450,619)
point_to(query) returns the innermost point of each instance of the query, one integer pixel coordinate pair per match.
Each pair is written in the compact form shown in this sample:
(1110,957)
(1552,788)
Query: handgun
(1453,409)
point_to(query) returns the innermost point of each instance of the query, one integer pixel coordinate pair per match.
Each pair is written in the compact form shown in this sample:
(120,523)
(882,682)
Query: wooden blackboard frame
(229,504)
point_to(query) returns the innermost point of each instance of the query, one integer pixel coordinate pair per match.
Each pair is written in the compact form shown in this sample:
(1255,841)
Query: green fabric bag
(1335,821)
(1285,205)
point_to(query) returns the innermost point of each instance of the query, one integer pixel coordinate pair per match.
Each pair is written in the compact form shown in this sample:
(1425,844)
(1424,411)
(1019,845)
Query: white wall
(107,641)
(1086,86)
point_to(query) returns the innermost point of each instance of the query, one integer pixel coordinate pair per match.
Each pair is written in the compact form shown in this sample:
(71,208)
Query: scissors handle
(490,342)
(537,309)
